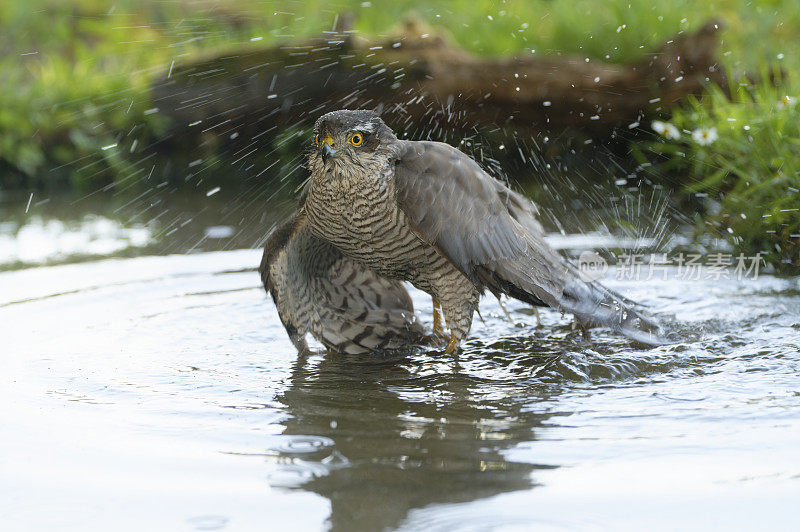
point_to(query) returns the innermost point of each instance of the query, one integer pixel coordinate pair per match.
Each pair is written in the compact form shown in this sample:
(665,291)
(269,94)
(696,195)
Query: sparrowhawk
(378,210)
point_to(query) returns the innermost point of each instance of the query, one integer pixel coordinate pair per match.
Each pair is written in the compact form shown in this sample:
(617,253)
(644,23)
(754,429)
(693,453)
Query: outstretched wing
(491,234)
(472,218)
(344,305)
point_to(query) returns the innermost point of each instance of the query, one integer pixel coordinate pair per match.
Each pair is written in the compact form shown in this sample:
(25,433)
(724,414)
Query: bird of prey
(378,210)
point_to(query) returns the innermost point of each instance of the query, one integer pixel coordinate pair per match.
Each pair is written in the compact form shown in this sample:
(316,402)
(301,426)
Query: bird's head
(348,141)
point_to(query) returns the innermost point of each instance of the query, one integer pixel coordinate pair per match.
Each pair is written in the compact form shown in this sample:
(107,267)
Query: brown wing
(344,305)
(491,234)
(473,219)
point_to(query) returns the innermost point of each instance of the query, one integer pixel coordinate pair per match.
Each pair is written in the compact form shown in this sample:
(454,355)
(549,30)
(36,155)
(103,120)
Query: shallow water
(161,393)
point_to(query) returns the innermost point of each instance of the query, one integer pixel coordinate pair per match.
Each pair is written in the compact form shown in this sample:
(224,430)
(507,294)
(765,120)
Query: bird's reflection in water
(379,437)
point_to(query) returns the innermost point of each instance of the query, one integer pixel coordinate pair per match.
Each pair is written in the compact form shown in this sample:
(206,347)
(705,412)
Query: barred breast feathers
(344,305)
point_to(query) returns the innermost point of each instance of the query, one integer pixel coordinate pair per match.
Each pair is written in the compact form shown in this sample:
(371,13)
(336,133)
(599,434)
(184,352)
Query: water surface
(161,393)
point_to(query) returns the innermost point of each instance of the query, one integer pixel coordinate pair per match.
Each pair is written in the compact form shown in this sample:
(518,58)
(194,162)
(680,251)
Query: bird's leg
(438,327)
(452,345)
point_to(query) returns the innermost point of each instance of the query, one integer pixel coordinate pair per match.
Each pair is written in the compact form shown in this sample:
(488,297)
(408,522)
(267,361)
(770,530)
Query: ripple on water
(299,444)
(196,401)
(208,522)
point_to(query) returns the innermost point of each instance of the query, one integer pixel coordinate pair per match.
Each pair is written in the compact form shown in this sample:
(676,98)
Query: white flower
(786,101)
(705,136)
(666,130)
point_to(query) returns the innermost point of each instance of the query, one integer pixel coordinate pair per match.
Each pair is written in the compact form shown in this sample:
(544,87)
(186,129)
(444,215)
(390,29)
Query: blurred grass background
(76,73)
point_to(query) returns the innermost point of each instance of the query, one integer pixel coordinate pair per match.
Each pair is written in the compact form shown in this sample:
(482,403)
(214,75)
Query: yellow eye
(316,139)
(356,139)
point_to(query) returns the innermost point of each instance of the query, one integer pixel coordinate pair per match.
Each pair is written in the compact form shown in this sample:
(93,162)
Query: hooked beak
(328,152)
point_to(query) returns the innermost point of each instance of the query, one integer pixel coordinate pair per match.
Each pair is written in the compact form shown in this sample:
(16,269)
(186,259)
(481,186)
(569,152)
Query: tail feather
(542,276)
(562,288)
(595,305)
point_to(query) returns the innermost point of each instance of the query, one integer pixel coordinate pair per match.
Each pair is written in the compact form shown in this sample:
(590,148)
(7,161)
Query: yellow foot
(452,346)
(438,325)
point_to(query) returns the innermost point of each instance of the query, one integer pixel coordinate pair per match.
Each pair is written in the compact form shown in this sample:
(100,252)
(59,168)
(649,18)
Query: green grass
(747,172)
(74,74)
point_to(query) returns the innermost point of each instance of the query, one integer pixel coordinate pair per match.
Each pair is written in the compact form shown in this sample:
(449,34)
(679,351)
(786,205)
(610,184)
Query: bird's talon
(440,338)
(452,346)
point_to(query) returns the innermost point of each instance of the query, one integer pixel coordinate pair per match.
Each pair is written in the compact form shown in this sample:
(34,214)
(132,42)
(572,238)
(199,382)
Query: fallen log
(418,80)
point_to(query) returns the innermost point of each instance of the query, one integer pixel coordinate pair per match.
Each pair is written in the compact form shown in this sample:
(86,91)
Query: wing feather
(343,304)
(473,219)
(491,234)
